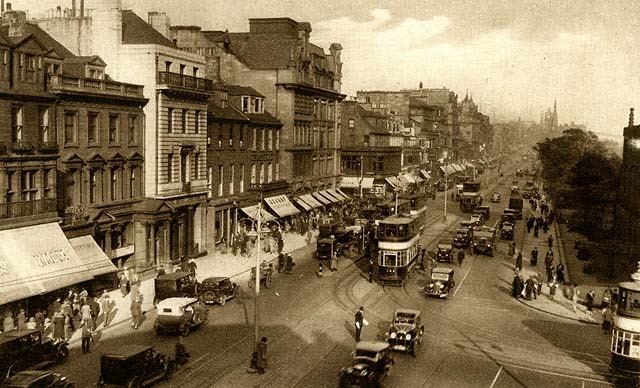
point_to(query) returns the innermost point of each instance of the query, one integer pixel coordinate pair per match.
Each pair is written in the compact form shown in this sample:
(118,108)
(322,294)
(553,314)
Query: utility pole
(256,318)
(361,173)
(444,218)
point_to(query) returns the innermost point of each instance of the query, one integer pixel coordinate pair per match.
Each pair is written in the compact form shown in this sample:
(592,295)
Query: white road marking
(464,277)
(495,379)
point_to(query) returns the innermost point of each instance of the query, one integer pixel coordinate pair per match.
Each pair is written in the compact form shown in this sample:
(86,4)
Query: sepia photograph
(319,194)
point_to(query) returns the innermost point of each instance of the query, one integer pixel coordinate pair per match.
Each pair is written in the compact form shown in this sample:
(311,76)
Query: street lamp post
(444,155)
(256,318)
(361,173)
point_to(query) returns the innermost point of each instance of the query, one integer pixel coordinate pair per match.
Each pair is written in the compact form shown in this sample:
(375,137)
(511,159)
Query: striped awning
(310,200)
(330,196)
(281,205)
(337,195)
(322,199)
(345,195)
(303,204)
(353,182)
(252,212)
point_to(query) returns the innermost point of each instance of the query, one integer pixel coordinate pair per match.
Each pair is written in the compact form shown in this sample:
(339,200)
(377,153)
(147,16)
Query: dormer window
(223,99)
(258,105)
(245,104)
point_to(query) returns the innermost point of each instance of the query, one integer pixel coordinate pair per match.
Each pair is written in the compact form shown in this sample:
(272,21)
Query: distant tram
(417,206)
(398,238)
(625,336)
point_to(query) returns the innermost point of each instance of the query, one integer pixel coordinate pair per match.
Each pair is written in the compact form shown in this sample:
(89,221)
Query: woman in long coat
(58,325)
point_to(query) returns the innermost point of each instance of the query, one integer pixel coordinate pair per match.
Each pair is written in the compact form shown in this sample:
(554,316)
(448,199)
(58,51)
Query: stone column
(166,250)
(190,232)
(152,249)
(107,243)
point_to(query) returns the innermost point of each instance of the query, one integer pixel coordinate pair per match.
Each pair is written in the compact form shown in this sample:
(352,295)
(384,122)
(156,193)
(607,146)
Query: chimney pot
(630,117)
(8,6)
(2,6)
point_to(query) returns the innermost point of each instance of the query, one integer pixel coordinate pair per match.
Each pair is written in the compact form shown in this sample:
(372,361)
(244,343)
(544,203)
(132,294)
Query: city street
(479,337)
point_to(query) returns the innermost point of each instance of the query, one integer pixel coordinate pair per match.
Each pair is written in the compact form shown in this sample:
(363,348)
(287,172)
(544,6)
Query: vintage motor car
(406,331)
(506,232)
(29,349)
(477,218)
(483,242)
(371,364)
(444,252)
(37,379)
(133,366)
(179,315)
(441,282)
(175,284)
(463,238)
(325,248)
(495,197)
(217,290)
(485,211)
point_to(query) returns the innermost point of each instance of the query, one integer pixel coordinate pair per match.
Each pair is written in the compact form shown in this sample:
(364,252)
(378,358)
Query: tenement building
(301,84)
(171,219)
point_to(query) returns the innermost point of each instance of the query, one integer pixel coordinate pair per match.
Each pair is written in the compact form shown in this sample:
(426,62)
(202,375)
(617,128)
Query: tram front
(625,337)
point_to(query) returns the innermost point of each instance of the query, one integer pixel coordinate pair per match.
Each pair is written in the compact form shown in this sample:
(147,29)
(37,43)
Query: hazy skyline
(516,57)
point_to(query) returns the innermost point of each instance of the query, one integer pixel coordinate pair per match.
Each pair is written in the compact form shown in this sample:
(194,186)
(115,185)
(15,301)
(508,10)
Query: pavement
(214,264)
(560,304)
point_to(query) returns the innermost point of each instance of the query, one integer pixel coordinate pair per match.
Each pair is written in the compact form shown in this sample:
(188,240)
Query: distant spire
(420,84)
(471,97)
(630,117)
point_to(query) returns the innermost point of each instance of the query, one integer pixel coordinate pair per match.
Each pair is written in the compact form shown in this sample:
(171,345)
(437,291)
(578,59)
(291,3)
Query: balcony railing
(184,81)
(89,85)
(20,147)
(47,147)
(27,208)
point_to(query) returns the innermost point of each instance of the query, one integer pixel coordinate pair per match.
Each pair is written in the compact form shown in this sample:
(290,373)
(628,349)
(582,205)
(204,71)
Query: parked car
(406,331)
(175,284)
(371,364)
(180,315)
(29,349)
(495,197)
(37,379)
(506,232)
(217,290)
(133,366)
(444,252)
(441,282)
(463,238)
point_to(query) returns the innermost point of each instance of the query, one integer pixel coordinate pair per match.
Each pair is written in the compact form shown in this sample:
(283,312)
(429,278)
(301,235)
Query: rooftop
(137,31)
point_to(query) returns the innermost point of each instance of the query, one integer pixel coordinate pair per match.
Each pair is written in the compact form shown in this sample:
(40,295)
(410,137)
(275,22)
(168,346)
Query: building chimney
(2,6)
(630,117)
(8,6)
(81,8)
(58,11)
(73,8)
(161,23)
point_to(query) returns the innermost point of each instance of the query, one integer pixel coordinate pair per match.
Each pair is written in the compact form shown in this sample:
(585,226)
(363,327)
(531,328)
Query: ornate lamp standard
(444,158)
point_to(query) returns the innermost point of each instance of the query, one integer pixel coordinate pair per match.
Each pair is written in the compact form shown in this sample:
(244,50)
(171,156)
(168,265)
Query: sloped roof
(40,36)
(238,90)
(227,113)
(91,59)
(263,51)
(136,31)
(264,118)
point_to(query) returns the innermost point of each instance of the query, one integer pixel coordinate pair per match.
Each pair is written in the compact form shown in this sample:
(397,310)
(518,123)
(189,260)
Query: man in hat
(261,360)
(359,322)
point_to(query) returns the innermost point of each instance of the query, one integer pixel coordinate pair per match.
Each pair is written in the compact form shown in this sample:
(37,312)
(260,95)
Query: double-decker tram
(625,334)
(417,206)
(388,208)
(398,238)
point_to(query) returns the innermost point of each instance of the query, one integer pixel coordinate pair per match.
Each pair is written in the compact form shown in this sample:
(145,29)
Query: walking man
(105,307)
(460,257)
(136,313)
(86,335)
(534,257)
(359,322)
(550,241)
(548,263)
(519,261)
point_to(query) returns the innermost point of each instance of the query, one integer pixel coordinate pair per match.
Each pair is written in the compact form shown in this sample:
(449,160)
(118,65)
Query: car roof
(445,246)
(128,351)
(482,233)
(215,279)
(9,336)
(462,230)
(445,270)
(372,346)
(24,378)
(173,275)
(407,311)
(176,301)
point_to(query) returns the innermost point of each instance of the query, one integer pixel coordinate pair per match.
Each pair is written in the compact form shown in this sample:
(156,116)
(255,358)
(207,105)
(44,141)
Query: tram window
(623,298)
(402,259)
(390,260)
(402,231)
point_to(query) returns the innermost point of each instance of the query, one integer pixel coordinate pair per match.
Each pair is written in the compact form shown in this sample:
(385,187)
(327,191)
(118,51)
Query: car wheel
(61,354)
(134,383)
(415,349)
(168,370)
(185,330)
(267,281)
(222,300)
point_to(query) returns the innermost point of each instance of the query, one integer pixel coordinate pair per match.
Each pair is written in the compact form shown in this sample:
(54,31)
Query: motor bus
(398,238)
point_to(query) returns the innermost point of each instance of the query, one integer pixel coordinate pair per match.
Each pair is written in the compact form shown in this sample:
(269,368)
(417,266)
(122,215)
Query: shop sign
(123,251)
(53,257)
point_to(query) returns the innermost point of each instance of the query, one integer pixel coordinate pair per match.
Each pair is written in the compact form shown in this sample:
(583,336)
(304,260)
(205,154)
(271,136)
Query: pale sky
(516,56)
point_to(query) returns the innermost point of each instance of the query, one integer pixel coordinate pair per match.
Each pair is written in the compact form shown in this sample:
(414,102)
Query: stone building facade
(627,212)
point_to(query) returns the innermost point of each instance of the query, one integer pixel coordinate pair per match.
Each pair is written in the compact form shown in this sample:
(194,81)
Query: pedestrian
(529,288)
(136,313)
(68,327)
(460,257)
(39,317)
(516,287)
(590,300)
(519,261)
(58,325)
(371,270)
(334,262)
(560,273)
(83,295)
(536,230)
(94,306)
(529,224)
(85,327)
(539,283)
(54,308)
(288,264)
(281,259)
(280,244)
(359,322)
(85,311)
(423,252)
(534,257)
(512,249)
(606,298)
(261,359)
(615,297)
(124,285)
(550,241)
(181,353)
(22,320)
(607,319)
(574,297)
(105,307)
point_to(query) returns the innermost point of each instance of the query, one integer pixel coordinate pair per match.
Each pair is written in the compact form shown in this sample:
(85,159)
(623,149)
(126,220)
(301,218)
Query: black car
(134,366)
(444,254)
(217,290)
(406,331)
(37,379)
(175,284)
(506,232)
(463,238)
(371,364)
(29,349)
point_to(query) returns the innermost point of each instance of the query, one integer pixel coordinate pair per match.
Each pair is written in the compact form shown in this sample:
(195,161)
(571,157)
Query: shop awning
(409,178)
(37,259)
(353,182)
(337,195)
(303,204)
(252,212)
(393,181)
(425,174)
(329,196)
(345,195)
(310,200)
(321,198)
(92,255)
(281,205)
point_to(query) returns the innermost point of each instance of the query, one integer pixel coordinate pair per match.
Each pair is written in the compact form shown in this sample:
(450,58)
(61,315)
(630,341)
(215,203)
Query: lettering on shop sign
(44,259)
(4,268)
